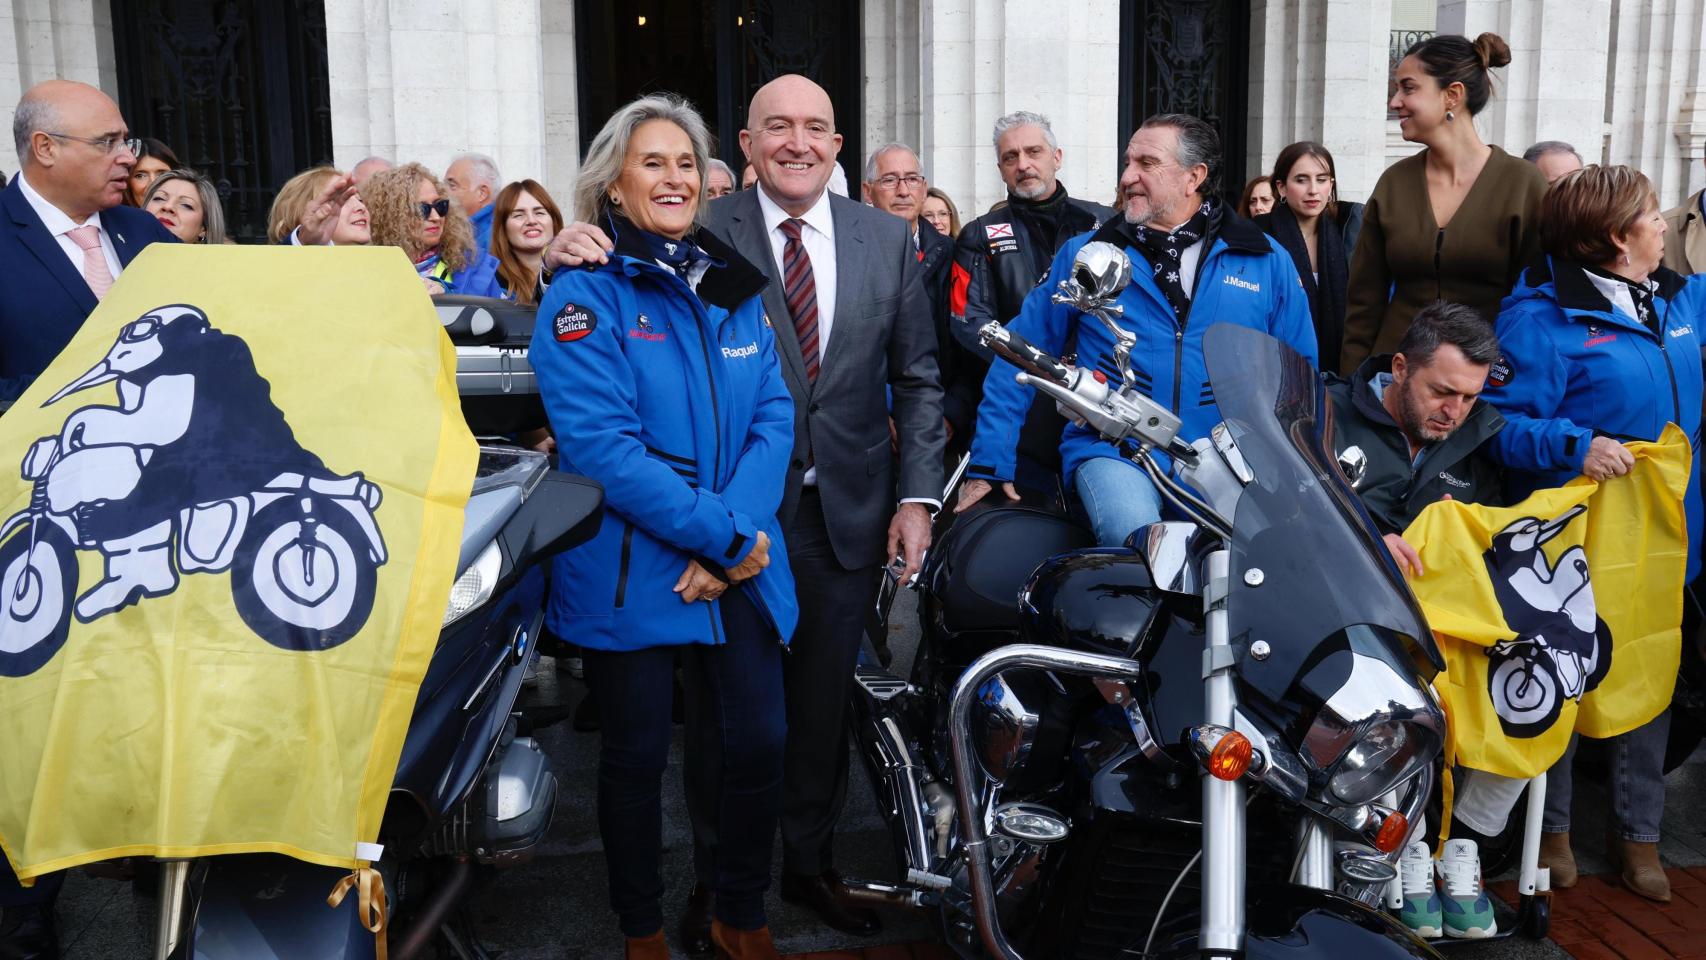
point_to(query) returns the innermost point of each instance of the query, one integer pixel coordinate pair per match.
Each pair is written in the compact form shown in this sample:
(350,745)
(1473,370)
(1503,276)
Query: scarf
(680,256)
(1040,218)
(1640,293)
(1327,292)
(431,267)
(1164,250)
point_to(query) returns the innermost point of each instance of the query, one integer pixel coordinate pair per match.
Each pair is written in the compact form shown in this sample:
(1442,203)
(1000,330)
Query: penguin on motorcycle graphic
(194,470)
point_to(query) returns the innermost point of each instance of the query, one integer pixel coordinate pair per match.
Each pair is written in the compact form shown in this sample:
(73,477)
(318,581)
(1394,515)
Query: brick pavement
(1598,919)
(897,951)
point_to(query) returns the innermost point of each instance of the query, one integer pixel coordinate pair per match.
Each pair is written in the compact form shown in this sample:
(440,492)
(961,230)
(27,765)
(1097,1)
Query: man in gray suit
(858,346)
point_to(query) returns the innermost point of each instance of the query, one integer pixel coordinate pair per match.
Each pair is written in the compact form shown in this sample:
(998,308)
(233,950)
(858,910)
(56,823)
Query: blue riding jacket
(1574,365)
(675,402)
(1243,278)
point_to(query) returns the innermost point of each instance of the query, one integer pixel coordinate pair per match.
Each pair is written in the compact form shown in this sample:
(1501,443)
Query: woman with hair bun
(1454,222)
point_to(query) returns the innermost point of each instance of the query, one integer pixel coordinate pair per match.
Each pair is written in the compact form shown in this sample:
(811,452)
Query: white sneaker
(1421,910)
(1468,910)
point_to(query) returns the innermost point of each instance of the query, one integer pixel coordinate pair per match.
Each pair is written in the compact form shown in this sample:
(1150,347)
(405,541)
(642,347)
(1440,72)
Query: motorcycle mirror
(1102,270)
(1353,463)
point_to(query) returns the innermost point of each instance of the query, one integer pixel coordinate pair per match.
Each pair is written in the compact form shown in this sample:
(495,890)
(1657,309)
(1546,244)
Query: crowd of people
(771,381)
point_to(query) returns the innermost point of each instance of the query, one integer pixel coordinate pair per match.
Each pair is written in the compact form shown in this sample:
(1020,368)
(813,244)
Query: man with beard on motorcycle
(1424,433)
(997,260)
(1195,264)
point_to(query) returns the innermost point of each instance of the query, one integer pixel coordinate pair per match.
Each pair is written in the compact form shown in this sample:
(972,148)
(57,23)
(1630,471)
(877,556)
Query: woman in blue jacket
(1601,345)
(661,379)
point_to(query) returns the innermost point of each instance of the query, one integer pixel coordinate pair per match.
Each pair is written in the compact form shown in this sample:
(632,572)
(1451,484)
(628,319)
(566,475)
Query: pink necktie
(94,259)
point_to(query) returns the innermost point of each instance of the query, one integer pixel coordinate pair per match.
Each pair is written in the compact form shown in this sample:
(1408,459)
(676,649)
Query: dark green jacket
(1392,490)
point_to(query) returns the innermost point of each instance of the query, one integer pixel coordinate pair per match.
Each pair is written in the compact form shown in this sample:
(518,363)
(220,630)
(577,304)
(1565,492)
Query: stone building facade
(1623,80)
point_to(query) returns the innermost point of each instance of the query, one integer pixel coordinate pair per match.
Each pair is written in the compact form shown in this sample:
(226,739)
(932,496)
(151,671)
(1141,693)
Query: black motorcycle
(1214,741)
(473,791)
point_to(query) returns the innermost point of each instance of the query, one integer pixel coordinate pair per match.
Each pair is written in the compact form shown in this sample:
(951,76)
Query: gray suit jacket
(882,337)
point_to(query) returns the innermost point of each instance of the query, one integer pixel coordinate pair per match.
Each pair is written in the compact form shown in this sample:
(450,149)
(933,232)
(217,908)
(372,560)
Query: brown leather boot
(735,944)
(1642,871)
(1555,855)
(654,947)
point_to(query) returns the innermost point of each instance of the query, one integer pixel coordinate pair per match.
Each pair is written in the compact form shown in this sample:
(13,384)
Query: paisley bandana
(1163,250)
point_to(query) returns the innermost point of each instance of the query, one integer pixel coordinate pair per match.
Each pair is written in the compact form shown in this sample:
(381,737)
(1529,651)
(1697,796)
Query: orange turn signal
(1230,757)
(1392,832)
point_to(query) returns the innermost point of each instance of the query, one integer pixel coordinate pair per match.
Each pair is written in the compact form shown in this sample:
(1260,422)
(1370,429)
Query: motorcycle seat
(985,558)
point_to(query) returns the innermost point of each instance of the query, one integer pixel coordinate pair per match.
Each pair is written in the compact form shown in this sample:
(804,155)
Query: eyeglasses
(892,180)
(441,206)
(107,144)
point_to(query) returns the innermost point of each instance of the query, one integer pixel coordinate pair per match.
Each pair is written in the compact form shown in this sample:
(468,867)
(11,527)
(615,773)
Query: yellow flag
(1560,614)
(232,509)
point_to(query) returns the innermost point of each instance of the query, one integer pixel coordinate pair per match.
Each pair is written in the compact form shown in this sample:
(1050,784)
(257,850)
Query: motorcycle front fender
(269,907)
(1289,922)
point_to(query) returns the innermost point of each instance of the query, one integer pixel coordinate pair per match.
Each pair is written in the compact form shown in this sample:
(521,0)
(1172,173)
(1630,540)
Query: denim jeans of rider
(1118,498)
(1637,764)
(742,680)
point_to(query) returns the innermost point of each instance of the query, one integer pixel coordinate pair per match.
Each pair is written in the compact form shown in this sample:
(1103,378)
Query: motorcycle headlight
(1372,734)
(1388,753)
(475,585)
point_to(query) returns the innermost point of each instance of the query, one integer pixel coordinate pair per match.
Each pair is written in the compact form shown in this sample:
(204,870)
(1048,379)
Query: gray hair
(34,113)
(1198,144)
(212,211)
(1021,118)
(871,161)
(603,163)
(1541,149)
(728,171)
(484,168)
(1441,322)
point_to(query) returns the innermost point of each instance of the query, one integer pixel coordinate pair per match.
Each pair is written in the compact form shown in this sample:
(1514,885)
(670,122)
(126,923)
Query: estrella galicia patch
(573,322)
(1501,372)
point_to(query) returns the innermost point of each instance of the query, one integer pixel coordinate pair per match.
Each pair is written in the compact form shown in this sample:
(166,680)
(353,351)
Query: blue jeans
(743,692)
(1637,782)
(1118,497)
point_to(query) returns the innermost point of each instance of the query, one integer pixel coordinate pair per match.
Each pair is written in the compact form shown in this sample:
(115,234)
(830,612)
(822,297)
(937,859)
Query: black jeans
(740,683)
(45,891)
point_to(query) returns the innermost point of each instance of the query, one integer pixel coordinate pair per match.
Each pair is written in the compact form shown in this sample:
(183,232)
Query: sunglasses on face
(440,206)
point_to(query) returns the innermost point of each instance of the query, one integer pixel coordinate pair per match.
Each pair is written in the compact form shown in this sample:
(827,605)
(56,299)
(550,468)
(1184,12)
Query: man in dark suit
(858,347)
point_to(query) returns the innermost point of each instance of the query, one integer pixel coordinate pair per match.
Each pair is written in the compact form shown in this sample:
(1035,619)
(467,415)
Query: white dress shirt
(1189,259)
(60,225)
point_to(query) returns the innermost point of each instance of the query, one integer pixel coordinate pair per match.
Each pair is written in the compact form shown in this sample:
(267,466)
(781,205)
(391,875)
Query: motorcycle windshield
(1306,562)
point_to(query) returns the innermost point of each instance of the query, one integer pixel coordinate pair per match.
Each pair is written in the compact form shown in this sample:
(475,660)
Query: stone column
(1318,72)
(982,59)
(452,75)
(53,39)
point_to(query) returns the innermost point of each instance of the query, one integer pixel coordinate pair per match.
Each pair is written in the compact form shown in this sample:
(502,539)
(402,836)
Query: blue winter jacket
(675,402)
(1243,278)
(479,278)
(1574,366)
(481,221)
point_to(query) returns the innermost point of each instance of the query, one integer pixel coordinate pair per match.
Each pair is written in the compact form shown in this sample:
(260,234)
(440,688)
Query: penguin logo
(1562,649)
(195,470)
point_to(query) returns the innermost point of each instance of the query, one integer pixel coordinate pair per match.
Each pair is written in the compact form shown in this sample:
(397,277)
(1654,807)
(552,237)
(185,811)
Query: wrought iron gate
(1188,56)
(237,88)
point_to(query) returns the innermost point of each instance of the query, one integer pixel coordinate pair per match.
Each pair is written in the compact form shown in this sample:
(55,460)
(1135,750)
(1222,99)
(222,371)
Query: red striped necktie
(800,290)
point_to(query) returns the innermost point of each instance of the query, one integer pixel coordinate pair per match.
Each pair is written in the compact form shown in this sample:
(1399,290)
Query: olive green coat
(1404,260)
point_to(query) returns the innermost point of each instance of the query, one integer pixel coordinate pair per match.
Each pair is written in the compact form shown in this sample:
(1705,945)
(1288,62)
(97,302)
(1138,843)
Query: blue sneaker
(1421,912)
(1468,909)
